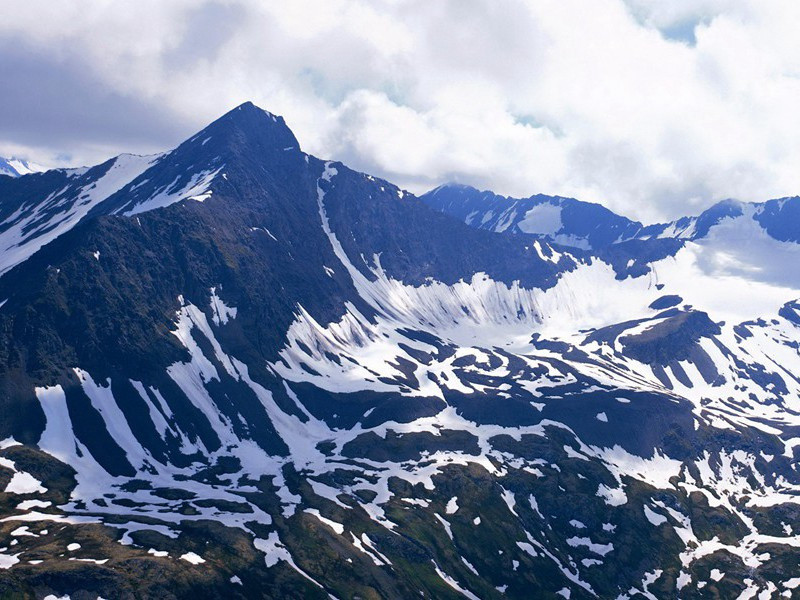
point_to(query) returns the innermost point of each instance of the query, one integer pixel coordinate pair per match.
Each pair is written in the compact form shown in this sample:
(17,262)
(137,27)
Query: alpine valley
(234,370)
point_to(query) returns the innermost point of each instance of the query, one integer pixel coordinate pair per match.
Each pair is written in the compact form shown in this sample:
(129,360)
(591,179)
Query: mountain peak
(249,124)
(244,140)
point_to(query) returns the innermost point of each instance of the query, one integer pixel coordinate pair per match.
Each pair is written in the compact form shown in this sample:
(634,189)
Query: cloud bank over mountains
(649,108)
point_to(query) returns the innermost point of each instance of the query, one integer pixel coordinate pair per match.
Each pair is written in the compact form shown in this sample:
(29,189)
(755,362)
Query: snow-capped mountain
(15,167)
(584,225)
(565,221)
(236,370)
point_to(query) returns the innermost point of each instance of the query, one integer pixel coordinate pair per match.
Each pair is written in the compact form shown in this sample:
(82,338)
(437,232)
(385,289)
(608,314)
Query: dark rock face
(671,339)
(235,370)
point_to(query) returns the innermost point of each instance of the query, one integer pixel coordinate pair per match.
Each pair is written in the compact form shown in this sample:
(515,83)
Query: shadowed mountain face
(236,370)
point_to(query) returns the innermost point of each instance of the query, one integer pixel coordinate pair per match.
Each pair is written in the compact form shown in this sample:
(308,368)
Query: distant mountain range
(236,370)
(14,167)
(577,224)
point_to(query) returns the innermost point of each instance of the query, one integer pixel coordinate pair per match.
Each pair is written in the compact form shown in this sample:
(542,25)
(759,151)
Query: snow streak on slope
(94,481)
(34,225)
(195,189)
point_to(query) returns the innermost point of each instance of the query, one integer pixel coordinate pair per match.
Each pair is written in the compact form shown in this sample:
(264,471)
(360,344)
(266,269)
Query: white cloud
(654,109)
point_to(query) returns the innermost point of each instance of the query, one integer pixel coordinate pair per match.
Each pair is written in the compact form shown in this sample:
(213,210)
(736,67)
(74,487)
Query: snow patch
(542,219)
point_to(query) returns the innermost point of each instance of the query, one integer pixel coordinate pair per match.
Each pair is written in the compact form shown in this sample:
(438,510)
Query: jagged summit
(247,124)
(242,142)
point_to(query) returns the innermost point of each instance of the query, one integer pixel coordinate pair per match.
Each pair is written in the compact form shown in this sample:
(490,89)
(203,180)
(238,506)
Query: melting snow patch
(649,579)
(24,483)
(508,498)
(360,545)
(43,220)
(29,504)
(656,470)
(220,312)
(195,189)
(601,549)
(452,506)
(590,562)
(577,524)
(337,527)
(275,551)
(470,566)
(535,506)
(453,583)
(445,524)
(8,560)
(192,558)
(612,496)
(544,219)
(683,580)
(371,545)
(654,518)
(416,501)
(526,547)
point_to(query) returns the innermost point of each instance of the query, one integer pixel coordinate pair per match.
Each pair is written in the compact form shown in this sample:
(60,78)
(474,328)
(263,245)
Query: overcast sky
(653,108)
